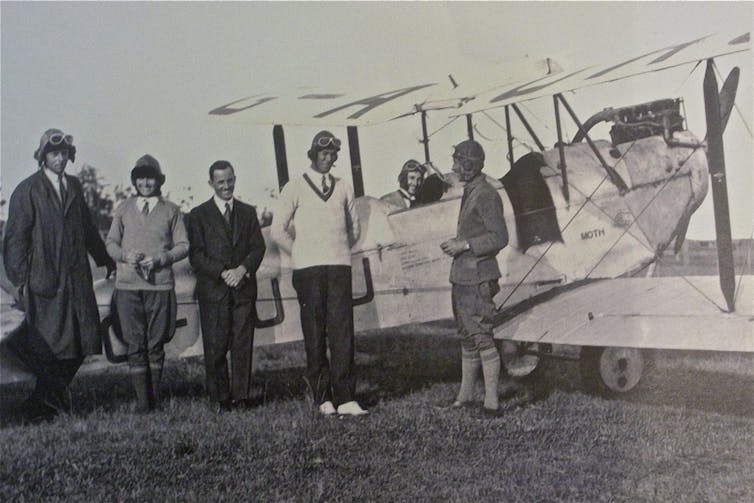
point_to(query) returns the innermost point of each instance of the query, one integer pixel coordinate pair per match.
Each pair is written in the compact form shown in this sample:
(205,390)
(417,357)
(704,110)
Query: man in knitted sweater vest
(146,237)
(316,222)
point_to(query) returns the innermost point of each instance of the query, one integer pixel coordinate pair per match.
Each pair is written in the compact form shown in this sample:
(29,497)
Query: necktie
(61,188)
(226,215)
(324,184)
(145,208)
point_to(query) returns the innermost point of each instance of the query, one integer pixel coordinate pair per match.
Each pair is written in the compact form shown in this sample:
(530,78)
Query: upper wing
(688,52)
(311,106)
(316,107)
(480,89)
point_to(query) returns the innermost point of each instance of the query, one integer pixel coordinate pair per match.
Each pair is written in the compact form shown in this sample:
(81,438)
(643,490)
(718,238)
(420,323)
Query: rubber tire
(625,366)
(525,368)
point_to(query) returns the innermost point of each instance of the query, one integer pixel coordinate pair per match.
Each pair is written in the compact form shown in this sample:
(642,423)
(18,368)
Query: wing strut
(281,159)
(355,153)
(528,127)
(716,161)
(614,176)
(509,134)
(425,136)
(561,151)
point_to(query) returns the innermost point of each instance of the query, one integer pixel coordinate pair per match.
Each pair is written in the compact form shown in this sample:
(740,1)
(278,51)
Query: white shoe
(351,408)
(327,408)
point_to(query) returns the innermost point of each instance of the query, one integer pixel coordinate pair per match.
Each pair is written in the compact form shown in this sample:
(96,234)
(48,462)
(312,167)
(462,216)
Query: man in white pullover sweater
(316,222)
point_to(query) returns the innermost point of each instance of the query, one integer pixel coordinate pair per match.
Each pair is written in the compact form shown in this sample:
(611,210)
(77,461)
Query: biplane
(587,218)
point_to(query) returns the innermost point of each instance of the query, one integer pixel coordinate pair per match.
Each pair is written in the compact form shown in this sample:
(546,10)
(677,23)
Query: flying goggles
(326,141)
(58,138)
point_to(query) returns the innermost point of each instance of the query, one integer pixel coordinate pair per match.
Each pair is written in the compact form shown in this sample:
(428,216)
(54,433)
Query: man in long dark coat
(47,237)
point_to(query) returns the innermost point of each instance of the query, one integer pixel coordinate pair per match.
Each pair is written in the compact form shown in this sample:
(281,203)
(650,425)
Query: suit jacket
(214,246)
(45,250)
(482,224)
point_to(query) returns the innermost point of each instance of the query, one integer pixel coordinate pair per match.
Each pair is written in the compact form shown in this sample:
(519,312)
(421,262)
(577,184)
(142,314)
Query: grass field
(686,434)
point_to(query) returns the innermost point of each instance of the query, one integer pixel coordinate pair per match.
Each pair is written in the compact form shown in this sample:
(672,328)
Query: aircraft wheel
(611,370)
(519,363)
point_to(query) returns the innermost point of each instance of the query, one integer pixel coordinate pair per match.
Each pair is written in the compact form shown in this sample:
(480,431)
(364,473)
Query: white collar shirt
(317,177)
(220,203)
(141,201)
(54,180)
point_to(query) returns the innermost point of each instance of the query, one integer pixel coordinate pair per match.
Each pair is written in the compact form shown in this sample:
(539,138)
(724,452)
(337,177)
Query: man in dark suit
(225,249)
(47,237)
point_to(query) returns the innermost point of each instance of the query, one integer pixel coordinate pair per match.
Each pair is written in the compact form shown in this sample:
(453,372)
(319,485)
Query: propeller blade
(716,161)
(728,97)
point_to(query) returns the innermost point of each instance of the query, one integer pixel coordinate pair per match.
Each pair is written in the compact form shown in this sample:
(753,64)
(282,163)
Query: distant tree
(121,193)
(100,203)
(187,200)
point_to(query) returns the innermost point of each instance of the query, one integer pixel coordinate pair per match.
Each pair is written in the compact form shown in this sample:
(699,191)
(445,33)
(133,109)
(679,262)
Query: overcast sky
(132,78)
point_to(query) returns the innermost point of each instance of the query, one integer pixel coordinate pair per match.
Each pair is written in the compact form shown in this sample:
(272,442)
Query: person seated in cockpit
(410,180)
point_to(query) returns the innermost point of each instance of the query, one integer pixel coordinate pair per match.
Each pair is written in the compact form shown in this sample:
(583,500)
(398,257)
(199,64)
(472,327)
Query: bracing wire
(451,121)
(482,135)
(688,76)
(541,122)
(492,119)
(636,219)
(515,138)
